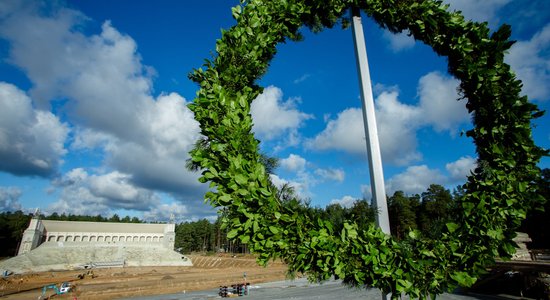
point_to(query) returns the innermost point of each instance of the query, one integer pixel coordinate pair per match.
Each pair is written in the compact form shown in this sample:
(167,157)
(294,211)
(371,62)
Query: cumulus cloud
(343,133)
(414,180)
(397,122)
(439,105)
(530,60)
(275,118)
(165,212)
(84,193)
(298,187)
(479,11)
(188,212)
(9,198)
(31,141)
(461,168)
(346,201)
(303,179)
(118,188)
(398,42)
(294,163)
(142,141)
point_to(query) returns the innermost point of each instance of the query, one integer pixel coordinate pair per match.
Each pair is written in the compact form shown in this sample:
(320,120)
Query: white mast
(369,119)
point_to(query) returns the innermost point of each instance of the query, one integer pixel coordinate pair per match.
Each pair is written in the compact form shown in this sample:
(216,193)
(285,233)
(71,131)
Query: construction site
(91,260)
(207,272)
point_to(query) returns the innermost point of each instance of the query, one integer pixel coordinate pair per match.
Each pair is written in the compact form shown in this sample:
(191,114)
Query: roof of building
(76,226)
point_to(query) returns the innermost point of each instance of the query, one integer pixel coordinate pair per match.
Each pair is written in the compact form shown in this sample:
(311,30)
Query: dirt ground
(208,272)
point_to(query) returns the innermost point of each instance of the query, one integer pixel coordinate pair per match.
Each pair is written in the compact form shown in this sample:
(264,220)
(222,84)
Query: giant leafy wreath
(498,193)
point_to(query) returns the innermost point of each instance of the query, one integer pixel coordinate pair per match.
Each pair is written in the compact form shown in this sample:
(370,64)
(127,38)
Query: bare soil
(208,272)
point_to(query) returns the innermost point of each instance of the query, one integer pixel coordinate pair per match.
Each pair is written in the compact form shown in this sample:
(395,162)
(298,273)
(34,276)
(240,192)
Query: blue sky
(93,116)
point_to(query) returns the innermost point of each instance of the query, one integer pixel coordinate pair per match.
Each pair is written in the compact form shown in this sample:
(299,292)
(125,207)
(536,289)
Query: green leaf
(241,179)
(463,278)
(224,199)
(452,227)
(233,233)
(245,239)
(273,229)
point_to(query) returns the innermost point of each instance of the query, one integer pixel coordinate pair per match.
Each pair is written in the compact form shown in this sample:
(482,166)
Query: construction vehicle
(64,288)
(87,274)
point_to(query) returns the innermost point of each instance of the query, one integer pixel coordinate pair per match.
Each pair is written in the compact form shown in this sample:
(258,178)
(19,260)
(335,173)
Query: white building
(96,233)
(57,245)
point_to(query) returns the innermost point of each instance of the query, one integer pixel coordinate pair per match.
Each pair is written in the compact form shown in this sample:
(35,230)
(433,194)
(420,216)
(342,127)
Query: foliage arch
(498,193)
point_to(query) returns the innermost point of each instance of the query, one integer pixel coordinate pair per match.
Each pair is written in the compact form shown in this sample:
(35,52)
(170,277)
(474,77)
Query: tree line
(427,213)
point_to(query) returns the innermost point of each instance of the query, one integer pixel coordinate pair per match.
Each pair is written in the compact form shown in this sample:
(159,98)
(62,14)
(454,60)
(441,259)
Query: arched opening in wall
(93,238)
(85,238)
(100,238)
(107,238)
(128,238)
(60,238)
(155,239)
(142,239)
(161,239)
(115,238)
(69,238)
(135,239)
(77,238)
(148,239)
(51,238)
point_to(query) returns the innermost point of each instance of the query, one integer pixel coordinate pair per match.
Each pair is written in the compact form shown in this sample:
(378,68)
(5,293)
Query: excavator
(64,288)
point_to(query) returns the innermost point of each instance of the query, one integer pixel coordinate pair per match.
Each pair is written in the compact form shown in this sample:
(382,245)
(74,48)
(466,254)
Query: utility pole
(369,120)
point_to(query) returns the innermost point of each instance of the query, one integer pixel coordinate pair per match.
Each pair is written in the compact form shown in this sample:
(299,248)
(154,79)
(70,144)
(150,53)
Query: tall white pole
(369,120)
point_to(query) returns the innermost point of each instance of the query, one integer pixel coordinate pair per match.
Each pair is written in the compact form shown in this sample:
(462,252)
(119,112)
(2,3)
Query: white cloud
(90,194)
(461,168)
(108,93)
(397,122)
(479,11)
(164,212)
(414,180)
(274,117)
(306,175)
(9,198)
(119,190)
(294,163)
(438,102)
(346,201)
(31,141)
(344,133)
(330,174)
(299,188)
(530,60)
(398,42)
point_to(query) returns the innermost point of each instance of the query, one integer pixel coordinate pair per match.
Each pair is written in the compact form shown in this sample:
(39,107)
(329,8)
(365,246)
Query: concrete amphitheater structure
(61,245)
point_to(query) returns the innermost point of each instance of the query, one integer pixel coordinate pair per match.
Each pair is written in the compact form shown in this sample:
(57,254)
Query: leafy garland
(498,193)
